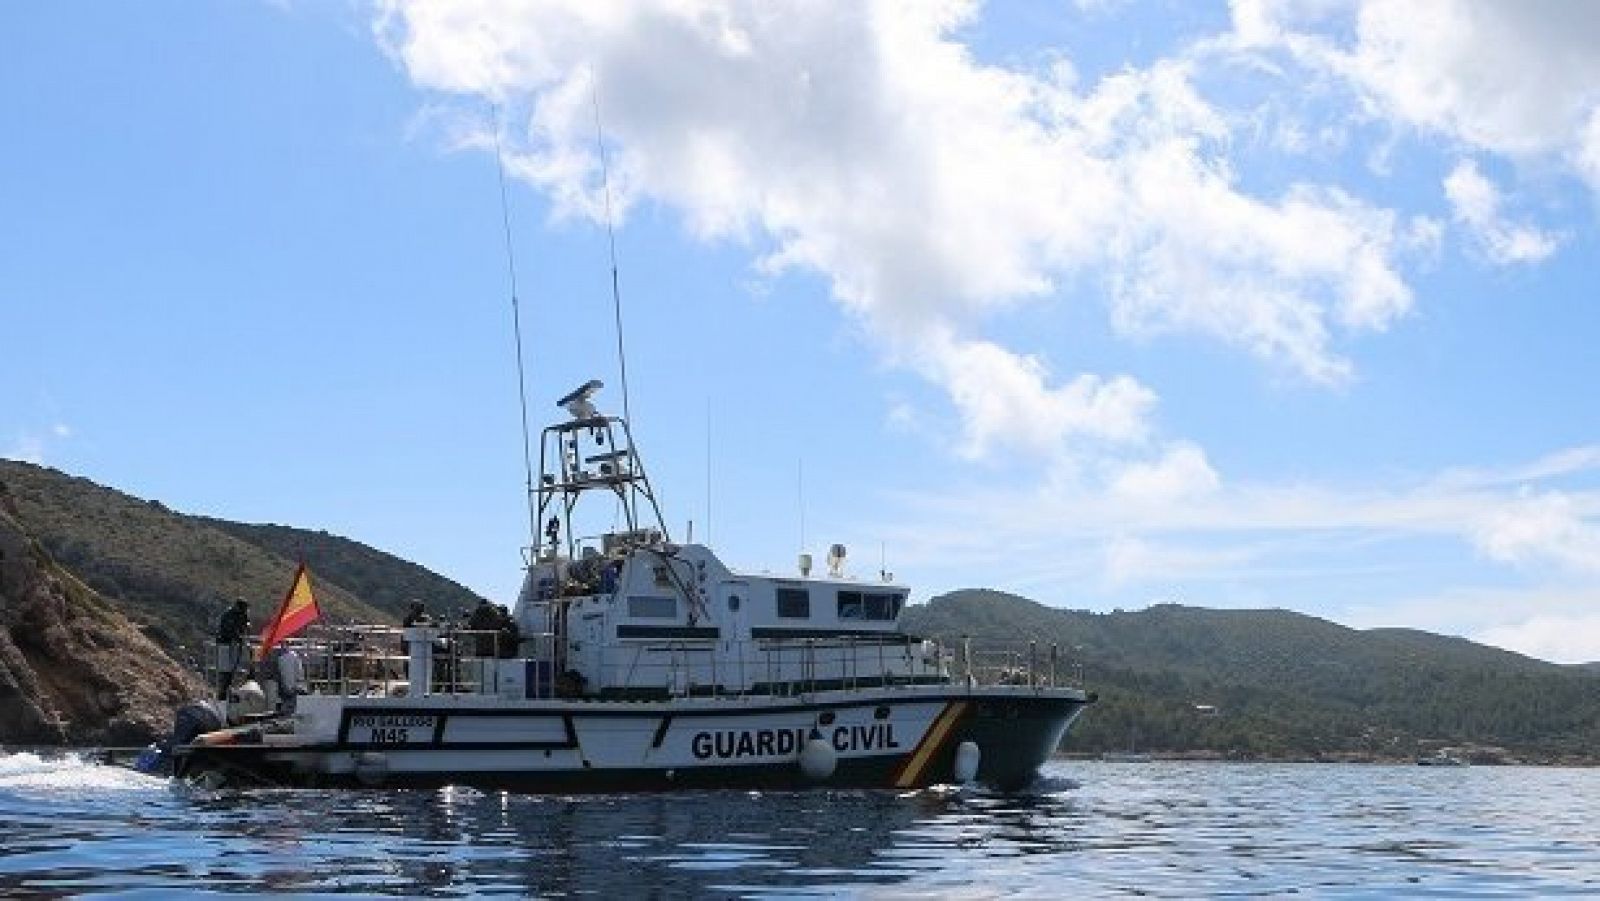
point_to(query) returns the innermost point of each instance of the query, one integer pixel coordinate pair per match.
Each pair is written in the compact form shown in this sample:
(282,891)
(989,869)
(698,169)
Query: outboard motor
(191,721)
(152,761)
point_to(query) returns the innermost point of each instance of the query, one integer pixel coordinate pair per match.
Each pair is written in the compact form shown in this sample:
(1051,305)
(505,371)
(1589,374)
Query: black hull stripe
(661,731)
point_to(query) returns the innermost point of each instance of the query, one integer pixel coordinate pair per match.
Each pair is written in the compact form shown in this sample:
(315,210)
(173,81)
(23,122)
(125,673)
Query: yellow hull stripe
(930,744)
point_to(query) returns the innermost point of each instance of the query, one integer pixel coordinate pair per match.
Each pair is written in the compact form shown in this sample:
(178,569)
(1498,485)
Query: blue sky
(1106,303)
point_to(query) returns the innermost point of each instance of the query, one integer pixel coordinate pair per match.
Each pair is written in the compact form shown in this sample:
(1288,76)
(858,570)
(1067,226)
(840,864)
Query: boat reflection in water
(686,843)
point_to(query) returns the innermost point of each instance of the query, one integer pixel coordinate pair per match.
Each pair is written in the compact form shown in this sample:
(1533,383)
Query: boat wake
(67,772)
(1050,783)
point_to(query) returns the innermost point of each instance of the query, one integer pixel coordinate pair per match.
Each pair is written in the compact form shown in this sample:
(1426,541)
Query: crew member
(416,615)
(510,635)
(231,630)
(484,620)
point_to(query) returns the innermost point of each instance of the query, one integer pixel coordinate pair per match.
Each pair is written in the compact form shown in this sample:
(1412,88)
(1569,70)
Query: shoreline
(1506,760)
(1573,762)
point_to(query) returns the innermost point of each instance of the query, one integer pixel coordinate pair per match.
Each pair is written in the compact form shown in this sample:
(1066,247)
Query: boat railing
(1012,662)
(376,661)
(773,666)
(800,666)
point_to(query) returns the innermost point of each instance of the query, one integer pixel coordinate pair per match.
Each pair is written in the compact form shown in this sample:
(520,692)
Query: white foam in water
(67,772)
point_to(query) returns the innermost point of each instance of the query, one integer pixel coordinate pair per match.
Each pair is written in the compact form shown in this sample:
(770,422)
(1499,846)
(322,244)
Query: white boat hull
(904,737)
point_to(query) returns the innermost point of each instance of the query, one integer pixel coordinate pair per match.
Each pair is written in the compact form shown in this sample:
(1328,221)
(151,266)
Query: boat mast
(591,452)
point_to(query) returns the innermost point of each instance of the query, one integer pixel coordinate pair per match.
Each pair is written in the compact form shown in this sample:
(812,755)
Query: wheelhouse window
(794,603)
(869,605)
(642,606)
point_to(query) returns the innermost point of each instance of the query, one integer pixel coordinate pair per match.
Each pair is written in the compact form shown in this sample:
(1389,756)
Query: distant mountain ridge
(173,573)
(1287,683)
(380,579)
(1280,683)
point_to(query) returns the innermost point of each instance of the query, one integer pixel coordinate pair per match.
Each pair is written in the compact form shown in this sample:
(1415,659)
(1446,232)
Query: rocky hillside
(1282,683)
(95,576)
(173,574)
(73,669)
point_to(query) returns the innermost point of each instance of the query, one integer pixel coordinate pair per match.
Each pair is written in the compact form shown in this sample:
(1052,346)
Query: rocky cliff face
(72,669)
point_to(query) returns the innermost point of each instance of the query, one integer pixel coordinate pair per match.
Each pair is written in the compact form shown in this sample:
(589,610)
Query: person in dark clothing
(510,635)
(417,615)
(231,631)
(484,619)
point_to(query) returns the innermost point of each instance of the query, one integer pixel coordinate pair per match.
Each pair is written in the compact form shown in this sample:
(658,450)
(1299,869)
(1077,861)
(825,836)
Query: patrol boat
(639,663)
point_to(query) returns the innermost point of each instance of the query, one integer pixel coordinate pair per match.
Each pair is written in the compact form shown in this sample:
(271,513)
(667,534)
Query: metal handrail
(372,660)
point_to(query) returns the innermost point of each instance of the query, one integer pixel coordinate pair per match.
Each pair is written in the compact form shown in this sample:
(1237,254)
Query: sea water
(1088,828)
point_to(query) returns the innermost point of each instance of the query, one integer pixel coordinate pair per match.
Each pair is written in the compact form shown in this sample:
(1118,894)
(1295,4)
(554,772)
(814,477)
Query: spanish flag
(298,610)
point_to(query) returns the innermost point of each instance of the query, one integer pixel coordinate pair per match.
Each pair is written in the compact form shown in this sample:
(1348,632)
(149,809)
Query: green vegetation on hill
(1280,683)
(173,574)
(382,580)
(1286,684)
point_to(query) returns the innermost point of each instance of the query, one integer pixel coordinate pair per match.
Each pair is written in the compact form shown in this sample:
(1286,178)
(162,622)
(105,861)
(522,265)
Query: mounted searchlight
(836,555)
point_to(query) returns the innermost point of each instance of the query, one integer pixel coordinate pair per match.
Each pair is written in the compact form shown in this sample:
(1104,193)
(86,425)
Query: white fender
(968,756)
(208,780)
(818,759)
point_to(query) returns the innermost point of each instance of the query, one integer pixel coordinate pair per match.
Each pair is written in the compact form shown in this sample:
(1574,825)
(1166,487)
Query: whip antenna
(800,499)
(708,469)
(516,330)
(611,238)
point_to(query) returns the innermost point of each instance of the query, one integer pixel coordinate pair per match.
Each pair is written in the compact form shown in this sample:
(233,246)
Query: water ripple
(1162,829)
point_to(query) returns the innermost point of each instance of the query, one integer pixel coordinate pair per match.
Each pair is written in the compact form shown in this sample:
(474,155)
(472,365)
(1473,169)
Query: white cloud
(1130,560)
(1565,462)
(1182,472)
(1562,639)
(1467,551)
(1507,77)
(34,446)
(1515,78)
(1556,623)
(1539,528)
(866,143)
(1475,202)
(1586,156)
(1005,398)
(29,447)
(1551,533)
(1269,277)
